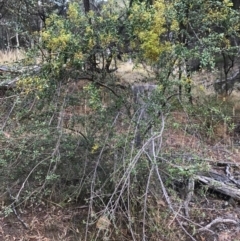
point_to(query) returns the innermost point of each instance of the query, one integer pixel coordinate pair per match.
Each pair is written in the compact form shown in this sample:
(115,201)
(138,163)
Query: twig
(8,97)
(18,217)
(29,174)
(5,122)
(145,202)
(175,216)
(14,209)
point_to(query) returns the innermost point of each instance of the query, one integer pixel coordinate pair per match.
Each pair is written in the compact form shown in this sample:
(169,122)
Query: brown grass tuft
(9,56)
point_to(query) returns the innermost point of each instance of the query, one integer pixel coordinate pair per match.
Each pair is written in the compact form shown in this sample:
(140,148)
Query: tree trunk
(236,4)
(86,5)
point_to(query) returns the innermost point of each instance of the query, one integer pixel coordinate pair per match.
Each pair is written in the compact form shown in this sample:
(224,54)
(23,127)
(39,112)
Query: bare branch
(216,221)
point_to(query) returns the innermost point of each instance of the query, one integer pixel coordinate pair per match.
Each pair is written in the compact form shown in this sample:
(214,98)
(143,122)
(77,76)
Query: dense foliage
(73,132)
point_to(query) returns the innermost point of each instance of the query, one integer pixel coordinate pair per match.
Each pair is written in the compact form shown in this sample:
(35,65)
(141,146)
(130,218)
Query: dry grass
(129,73)
(10,56)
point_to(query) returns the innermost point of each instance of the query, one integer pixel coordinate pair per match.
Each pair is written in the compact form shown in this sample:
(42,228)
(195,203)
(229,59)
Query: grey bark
(227,86)
(221,185)
(141,94)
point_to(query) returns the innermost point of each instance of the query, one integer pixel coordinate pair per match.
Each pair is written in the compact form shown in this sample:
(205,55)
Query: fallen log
(223,186)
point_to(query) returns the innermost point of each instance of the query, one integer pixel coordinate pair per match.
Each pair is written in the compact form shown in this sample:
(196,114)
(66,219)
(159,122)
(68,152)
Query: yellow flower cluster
(54,20)
(56,36)
(56,42)
(29,84)
(89,30)
(79,32)
(228,3)
(91,14)
(72,13)
(149,37)
(78,56)
(95,147)
(106,39)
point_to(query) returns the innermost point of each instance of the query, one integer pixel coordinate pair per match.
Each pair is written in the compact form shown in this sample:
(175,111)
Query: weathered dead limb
(20,70)
(13,207)
(229,189)
(216,221)
(7,69)
(145,202)
(8,116)
(226,86)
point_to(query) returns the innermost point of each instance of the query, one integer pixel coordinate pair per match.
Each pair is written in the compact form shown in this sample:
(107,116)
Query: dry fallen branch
(228,189)
(216,221)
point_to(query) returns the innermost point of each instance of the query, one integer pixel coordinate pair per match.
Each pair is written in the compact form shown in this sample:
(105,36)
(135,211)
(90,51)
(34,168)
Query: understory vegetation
(120,153)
